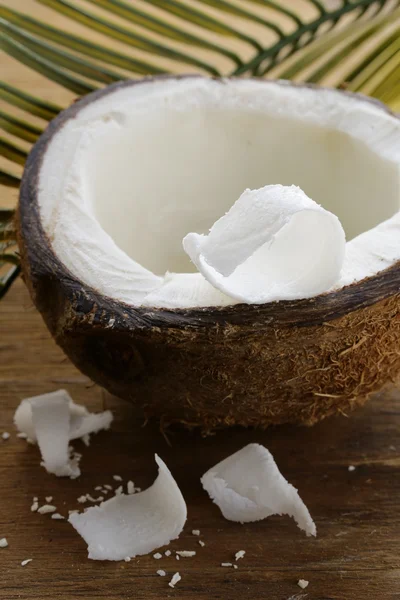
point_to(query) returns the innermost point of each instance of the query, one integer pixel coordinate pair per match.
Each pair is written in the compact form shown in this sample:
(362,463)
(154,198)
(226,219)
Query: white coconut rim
(248,486)
(70,203)
(52,420)
(136,524)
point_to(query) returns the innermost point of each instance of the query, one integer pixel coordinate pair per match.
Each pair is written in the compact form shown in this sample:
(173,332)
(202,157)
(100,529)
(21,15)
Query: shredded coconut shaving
(248,486)
(52,420)
(3,543)
(46,508)
(175,579)
(26,562)
(131,525)
(303,583)
(275,243)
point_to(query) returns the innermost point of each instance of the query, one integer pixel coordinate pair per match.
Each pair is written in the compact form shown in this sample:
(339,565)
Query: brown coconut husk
(253,365)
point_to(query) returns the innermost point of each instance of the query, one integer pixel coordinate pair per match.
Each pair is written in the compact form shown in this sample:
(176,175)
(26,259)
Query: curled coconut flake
(275,243)
(131,525)
(248,486)
(52,420)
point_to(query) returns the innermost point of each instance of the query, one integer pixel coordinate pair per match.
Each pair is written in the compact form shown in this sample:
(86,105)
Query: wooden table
(355,556)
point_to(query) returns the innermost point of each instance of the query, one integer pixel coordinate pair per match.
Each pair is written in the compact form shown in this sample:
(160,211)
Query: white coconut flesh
(131,525)
(135,171)
(248,486)
(52,421)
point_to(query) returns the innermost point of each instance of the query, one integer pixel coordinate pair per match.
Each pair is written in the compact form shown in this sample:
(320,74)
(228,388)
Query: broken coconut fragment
(135,524)
(52,420)
(275,243)
(248,486)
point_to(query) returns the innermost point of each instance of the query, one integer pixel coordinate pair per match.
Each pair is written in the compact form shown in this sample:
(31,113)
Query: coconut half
(52,421)
(131,525)
(119,179)
(248,486)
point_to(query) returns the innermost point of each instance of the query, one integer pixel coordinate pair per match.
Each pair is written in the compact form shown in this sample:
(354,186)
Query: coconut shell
(289,361)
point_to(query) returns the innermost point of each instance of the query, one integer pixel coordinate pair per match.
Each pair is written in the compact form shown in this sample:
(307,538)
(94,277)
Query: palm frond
(344,43)
(7,256)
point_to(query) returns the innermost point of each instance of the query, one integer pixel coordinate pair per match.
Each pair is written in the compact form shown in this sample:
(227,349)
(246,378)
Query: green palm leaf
(344,43)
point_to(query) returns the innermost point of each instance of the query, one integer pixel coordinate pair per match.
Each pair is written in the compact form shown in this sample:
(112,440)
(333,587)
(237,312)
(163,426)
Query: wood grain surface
(355,556)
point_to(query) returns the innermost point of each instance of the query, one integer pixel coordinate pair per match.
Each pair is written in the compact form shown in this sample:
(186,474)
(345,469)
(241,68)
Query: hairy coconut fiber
(291,361)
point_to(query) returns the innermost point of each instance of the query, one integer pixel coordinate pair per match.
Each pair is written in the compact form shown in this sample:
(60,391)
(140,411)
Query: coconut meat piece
(52,420)
(248,486)
(275,243)
(174,154)
(135,524)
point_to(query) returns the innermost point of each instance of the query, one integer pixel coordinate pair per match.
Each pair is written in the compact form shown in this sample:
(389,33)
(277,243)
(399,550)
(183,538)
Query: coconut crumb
(240,554)
(130,487)
(22,435)
(352,468)
(98,488)
(35,506)
(127,559)
(202,544)
(57,517)
(303,583)
(161,572)
(91,499)
(195,531)
(82,499)
(226,565)
(235,566)
(186,553)
(26,561)
(177,557)
(119,490)
(3,543)
(157,556)
(5,435)
(107,486)
(175,579)
(46,508)
(168,553)
(117,477)
(49,499)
